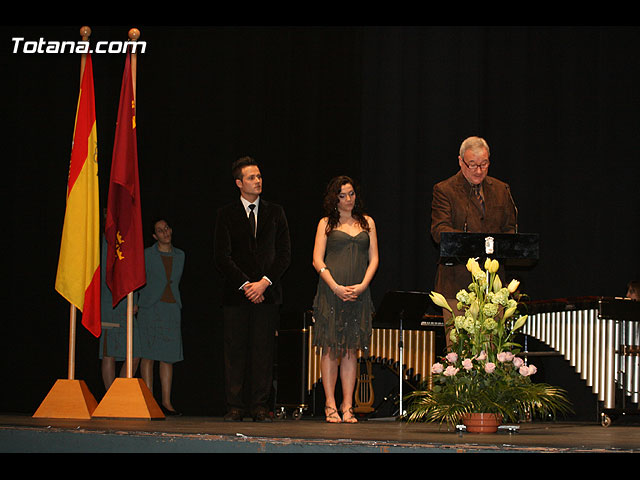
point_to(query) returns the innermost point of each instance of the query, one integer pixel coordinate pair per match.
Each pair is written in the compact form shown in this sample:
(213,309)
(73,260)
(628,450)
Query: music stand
(397,310)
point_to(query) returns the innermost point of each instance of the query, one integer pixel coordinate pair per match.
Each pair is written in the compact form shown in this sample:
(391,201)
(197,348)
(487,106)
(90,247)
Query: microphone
(466,211)
(514,206)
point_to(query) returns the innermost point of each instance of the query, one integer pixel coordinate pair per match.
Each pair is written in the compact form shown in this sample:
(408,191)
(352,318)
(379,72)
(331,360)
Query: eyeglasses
(482,166)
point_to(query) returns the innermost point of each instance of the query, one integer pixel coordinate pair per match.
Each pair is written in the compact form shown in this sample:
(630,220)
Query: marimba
(419,351)
(297,379)
(599,337)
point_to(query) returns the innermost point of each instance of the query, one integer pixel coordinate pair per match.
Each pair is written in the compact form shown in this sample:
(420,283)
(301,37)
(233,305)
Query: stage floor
(25,434)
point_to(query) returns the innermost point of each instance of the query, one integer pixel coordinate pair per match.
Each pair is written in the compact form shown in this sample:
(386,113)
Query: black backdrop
(387,105)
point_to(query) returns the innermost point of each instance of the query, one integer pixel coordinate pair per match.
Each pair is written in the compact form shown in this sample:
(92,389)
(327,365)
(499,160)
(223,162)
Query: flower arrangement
(482,372)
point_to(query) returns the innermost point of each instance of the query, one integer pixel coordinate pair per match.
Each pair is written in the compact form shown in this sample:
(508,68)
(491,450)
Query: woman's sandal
(331,415)
(350,418)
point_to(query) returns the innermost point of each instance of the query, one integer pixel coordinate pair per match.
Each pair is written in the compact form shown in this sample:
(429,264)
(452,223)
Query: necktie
(252,219)
(476,192)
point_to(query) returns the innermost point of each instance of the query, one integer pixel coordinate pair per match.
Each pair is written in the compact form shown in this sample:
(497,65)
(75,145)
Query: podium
(399,310)
(517,249)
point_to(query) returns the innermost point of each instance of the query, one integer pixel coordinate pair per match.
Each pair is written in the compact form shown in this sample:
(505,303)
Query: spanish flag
(78,276)
(123,230)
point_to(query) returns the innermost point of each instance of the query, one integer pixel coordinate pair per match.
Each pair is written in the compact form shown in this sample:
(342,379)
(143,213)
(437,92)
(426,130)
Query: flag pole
(70,398)
(85,32)
(129,397)
(72,343)
(130,335)
(134,34)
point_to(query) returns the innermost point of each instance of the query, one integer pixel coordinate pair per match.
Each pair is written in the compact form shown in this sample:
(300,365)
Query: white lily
(519,323)
(439,300)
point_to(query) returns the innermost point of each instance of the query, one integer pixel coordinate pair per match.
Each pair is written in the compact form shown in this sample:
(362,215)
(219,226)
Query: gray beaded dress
(340,325)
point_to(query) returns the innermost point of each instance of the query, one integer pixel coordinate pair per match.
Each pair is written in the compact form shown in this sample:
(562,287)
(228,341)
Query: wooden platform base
(128,398)
(67,399)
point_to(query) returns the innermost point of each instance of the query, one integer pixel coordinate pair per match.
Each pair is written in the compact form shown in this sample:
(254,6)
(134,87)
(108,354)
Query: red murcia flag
(123,229)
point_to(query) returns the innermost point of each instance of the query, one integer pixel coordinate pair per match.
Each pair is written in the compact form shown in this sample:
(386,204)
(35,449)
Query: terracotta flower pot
(482,422)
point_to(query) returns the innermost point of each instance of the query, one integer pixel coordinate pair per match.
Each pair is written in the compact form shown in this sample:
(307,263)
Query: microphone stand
(400,365)
(514,206)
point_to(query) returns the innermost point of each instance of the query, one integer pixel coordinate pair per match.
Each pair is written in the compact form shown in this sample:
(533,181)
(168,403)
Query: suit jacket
(453,206)
(242,258)
(152,292)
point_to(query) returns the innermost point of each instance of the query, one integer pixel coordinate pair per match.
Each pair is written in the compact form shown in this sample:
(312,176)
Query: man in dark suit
(252,251)
(469,201)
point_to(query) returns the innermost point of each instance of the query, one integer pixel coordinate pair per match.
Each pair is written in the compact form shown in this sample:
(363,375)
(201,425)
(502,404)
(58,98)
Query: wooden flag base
(128,398)
(67,399)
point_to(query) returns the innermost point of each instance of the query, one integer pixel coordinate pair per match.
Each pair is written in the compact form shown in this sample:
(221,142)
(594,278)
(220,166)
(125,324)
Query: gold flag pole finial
(134,35)
(85,33)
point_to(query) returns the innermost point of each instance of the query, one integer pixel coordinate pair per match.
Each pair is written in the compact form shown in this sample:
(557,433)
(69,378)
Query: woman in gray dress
(345,255)
(159,312)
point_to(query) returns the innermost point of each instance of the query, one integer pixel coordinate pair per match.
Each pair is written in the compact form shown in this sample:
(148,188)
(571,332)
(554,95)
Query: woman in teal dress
(159,312)
(345,255)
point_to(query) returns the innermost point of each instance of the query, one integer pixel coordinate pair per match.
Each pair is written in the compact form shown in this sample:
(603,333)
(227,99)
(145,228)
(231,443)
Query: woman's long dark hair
(331,201)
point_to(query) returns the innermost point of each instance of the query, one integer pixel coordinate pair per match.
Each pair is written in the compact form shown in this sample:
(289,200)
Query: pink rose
(452,357)
(482,357)
(526,371)
(467,364)
(437,368)
(505,356)
(518,362)
(450,371)
(489,367)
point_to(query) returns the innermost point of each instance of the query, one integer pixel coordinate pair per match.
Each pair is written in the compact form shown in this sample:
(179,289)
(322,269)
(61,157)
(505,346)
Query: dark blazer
(453,205)
(242,258)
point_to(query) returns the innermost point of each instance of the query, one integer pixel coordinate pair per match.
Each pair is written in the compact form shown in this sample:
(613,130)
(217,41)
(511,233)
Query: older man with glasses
(469,201)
